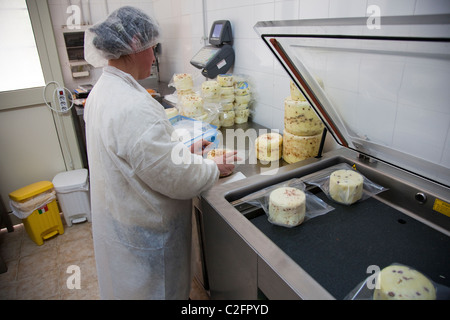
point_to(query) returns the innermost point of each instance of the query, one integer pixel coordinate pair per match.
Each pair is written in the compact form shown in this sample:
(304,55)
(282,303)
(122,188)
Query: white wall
(183,31)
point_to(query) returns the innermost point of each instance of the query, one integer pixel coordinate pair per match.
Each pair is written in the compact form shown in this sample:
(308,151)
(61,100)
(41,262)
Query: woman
(141,199)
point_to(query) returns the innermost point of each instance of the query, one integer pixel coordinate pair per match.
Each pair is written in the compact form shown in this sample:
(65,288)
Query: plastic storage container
(72,190)
(45,221)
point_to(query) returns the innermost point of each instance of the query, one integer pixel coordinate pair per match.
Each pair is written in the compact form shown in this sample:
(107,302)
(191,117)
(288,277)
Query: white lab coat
(141,199)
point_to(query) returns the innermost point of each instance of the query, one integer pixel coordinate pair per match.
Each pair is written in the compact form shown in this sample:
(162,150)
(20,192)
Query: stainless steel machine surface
(388,131)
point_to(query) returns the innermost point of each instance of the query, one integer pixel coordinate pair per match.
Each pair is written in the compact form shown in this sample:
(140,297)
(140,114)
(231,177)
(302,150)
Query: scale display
(218,57)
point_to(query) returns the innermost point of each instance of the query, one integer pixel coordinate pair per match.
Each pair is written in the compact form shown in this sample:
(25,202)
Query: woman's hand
(200,147)
(225,163)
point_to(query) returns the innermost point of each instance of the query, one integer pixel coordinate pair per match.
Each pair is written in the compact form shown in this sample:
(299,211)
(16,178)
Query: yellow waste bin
(45,220)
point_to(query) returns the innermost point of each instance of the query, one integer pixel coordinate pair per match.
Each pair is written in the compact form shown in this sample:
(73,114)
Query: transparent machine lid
(382,87)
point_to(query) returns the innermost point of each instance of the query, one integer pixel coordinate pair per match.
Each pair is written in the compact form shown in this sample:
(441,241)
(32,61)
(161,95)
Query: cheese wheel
(245,99)
(240,106)
(183,81)
(227,118)
(229,106)
(241,115)
(300,119)
(210,90)
(403,283)
(346,186)
(227,94)
(241,88)
(171,112)
(192,106)
(225,80)
(295,93)
(297,148)
(269,146)
(287,206)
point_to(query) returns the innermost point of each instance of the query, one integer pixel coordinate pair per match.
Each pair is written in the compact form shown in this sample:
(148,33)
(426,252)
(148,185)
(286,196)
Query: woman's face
(145,60)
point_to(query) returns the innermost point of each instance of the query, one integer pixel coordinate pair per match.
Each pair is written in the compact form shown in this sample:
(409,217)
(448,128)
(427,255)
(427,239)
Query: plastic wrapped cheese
(245,99)
(211,90)
(225,80)
(241,88)
(227,94)
(183,81)
(269,146)
(397,282)
(227,118)
(297,148)
(192,106)
(241,115)
(300,119)
(287,206)
(346,186)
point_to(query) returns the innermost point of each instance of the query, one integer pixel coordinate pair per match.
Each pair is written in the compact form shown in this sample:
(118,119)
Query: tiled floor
(44,272)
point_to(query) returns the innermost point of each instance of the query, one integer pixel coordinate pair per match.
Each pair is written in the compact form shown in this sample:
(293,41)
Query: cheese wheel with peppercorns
(346,186)
(183,81)
(297,148)
(287,206)
(269,146)
(300,119)
(403,283)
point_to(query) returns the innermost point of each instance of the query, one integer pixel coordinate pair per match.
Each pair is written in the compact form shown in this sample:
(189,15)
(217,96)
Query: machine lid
(380,85)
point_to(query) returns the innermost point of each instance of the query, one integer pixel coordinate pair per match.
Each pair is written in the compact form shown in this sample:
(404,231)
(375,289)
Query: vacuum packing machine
(383,94)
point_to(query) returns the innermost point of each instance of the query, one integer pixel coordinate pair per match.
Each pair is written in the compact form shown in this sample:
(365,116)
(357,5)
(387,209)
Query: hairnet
(125,31)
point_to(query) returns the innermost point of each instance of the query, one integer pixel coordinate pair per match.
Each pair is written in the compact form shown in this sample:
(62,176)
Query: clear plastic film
(343,184)
(408,284)
(289,217)
(125,31)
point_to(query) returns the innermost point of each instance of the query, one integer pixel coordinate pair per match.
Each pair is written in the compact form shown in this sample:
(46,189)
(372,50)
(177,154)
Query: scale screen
(204,55)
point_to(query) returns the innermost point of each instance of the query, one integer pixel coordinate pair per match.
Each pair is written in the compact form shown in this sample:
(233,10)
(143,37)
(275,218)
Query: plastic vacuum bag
(314,206)
(346,193)
(368,289)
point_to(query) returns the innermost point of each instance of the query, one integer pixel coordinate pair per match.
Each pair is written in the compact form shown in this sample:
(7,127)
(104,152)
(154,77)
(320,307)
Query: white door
(35,142)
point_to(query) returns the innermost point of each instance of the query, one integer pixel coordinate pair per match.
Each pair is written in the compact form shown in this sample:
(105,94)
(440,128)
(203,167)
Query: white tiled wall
(183,31)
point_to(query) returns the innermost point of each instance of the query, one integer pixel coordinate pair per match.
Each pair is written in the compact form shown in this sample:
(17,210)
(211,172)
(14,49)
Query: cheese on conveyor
(269,146)
(295,93)
(297,148)
(225,80)
(403,283)
(287,206)
(210,90)
(192,106)
(346,186)
(300,119)
(183,81)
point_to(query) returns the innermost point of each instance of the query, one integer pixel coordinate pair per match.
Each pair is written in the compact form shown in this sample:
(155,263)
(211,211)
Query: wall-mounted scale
(218,57)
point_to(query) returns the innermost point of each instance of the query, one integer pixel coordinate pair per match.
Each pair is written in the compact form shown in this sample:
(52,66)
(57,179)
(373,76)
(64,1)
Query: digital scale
(218,57)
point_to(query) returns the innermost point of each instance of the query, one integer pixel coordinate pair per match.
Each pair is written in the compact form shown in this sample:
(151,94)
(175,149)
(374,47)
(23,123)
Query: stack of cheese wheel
(302,128)
(242,98)
(191,106)
(269,146)
(210,93)
(226,82)
(171,112)
(183,83)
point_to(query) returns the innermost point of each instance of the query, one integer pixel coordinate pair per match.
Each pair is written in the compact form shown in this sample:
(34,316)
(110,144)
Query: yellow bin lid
(30,190)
